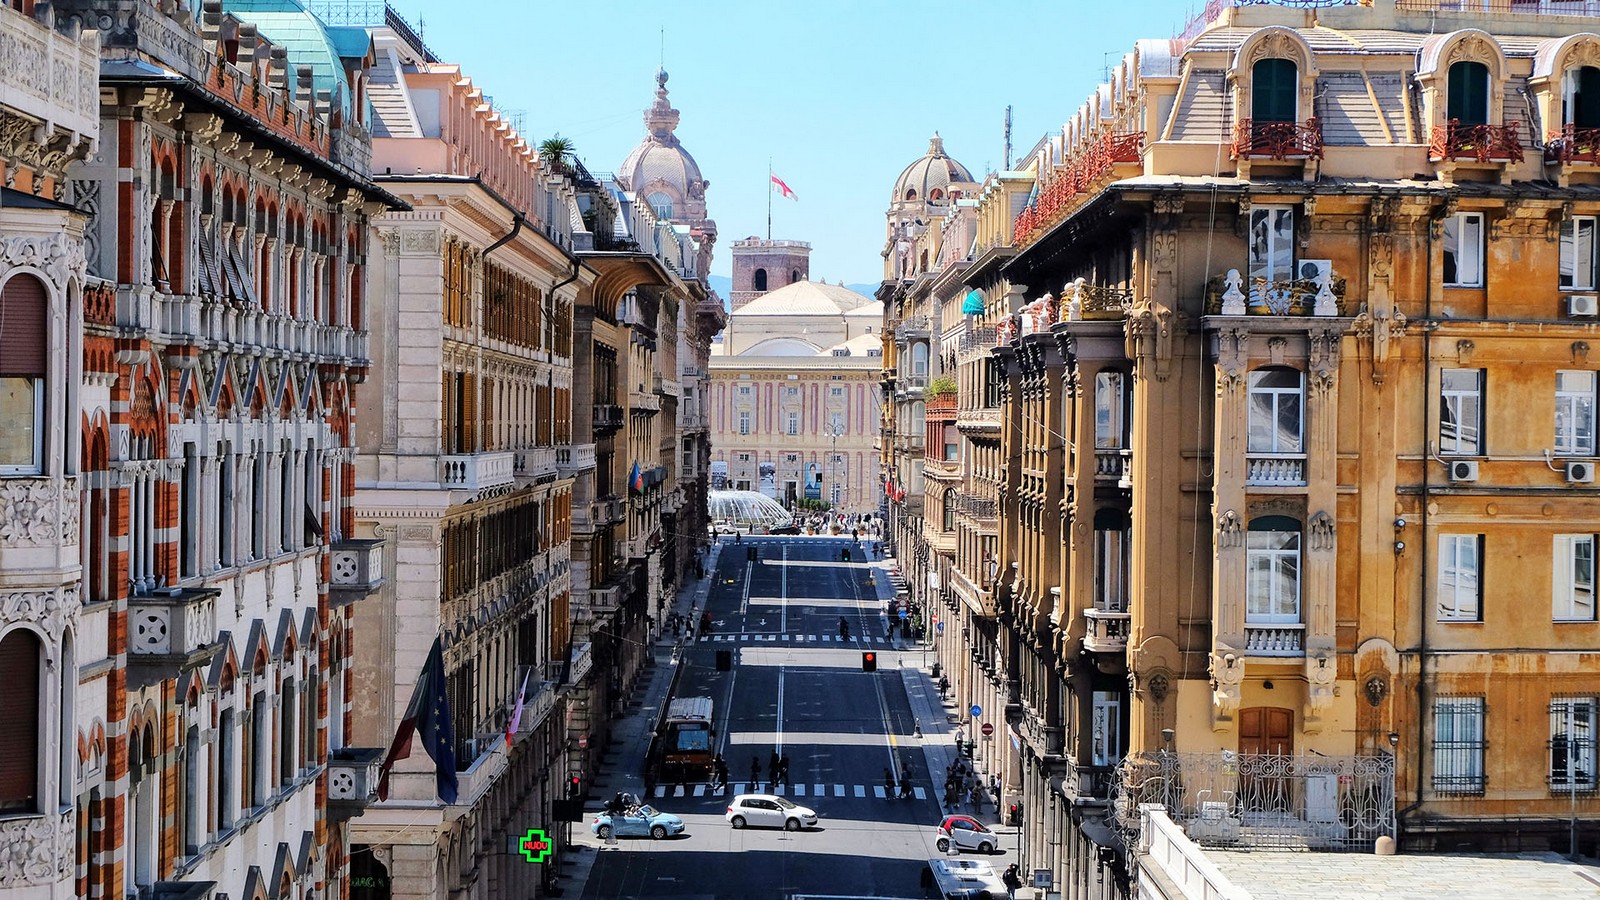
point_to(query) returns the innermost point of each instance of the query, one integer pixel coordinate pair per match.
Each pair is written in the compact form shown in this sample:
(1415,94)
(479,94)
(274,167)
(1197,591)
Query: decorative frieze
(36,850)
(38,512)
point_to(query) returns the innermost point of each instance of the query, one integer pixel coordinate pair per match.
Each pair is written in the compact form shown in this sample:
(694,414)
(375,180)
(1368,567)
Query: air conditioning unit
(1464,470)
(1583,306)
(1314,269)
(1580,472)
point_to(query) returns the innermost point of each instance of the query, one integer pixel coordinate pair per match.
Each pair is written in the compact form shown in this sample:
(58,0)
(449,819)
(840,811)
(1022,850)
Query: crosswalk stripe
(699,790)
(838,790)
(778,789)
(877,791)
(819,790)
(677,791)
(860,791)
(661,790)
(799,790)
(739,788)
(920,793)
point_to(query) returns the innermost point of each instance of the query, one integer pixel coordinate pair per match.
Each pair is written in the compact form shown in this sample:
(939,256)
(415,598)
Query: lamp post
(834,432)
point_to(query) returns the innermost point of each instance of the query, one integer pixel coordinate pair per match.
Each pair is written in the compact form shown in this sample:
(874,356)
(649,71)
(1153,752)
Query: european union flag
(429,713)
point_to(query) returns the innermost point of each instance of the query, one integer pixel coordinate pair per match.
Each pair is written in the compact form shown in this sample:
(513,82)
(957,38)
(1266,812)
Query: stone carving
(1227,678)
(1321,671)
(57,256)
(33,512)
(1326,303)
(1233,295)
(1074,294)
(412,241)
(1322,531)
(1323,359)
(1580,353)
(51,610)
(1376,688)
(35,850)
(1230,531)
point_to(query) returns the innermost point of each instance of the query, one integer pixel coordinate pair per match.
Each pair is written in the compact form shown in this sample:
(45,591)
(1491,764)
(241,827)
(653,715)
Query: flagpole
(769,198)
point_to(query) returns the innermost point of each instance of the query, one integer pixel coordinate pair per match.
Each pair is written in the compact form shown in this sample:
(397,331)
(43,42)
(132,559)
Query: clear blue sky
(840,94)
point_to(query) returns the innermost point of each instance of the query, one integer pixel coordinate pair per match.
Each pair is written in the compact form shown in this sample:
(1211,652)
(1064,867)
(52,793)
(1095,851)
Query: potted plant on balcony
(554,152)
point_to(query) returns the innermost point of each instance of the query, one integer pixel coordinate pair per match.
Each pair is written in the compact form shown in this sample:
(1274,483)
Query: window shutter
(19,709)
(208,264)
(446,394)
(1273,90)
(1468,101)
(469,413)
(1586,101)
(24,335)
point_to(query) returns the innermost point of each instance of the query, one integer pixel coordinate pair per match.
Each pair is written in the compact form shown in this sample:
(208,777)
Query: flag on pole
(636,480)
(429,713)
(516,715)
(783,188)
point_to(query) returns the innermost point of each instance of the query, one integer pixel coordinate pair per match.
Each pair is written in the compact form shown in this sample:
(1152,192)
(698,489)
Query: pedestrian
(905,787)
(888,784)
(976,796)
(772,768)
(1012,880)
(844,629)
(783,769)
(722,772)
(705,622)
(755,772)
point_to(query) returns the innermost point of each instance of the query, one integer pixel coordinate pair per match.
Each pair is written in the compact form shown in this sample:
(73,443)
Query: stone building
(1296,439)
(208,334)
(466,473)
(794,412)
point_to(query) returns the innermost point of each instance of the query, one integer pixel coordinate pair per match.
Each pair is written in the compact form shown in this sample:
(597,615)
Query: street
(798,689)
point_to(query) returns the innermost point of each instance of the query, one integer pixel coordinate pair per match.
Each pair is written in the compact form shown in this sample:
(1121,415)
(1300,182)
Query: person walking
(888,785)
(783,769)
(905,786)
(722,772)
(844,629)
(772,769)
(1012,879)
(755,772)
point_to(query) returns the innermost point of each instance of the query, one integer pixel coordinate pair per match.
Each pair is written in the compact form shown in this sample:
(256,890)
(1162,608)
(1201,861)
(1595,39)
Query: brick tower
(760,266)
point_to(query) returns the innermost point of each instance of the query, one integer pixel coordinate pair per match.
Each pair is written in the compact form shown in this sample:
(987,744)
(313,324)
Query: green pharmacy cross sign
(535,846)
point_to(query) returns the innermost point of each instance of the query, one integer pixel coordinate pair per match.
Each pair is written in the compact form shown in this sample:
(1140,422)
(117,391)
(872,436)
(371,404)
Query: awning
(973,305)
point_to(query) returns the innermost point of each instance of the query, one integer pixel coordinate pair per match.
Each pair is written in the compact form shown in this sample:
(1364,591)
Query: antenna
(1008,138)
(663,48)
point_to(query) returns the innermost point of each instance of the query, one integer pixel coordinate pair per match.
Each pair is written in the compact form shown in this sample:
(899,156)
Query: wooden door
(1266,734)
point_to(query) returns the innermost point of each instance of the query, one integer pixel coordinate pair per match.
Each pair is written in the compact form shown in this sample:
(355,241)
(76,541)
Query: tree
(555,151)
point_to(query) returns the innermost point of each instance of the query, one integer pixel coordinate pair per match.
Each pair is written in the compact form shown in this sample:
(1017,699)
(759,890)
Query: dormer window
(1467,101)
(1275,85)
(911,194)
(1580,97)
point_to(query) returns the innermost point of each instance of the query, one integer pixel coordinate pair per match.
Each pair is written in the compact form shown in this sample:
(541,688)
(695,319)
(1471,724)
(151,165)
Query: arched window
(1272,571)
(1274,89)
(226,775)
(20,665)
(1581,97)
(260,749)
(759,281)
(949,509)
(662,204)
(794,276)
(1110,560)
(1467,100)
(141,813)
(919,359)
(911,193)
(935,195)
(288,762)
(24,357)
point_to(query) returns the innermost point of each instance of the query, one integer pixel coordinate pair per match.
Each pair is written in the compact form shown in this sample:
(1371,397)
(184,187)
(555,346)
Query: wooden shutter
(19,709)
(24,335)
(208,264)
(469,412)
(447,390)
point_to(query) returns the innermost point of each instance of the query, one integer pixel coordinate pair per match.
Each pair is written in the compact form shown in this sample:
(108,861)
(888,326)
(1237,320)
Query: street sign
(941,625)
(976,710)
(904,614)
(936,619)
(583,742)
(988,729)
(535,846)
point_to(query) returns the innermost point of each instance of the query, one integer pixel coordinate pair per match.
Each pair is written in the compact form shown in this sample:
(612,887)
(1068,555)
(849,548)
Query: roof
(290,25)
(933,170)
(1349,876)
(873,310)
(860,345)
(806,298)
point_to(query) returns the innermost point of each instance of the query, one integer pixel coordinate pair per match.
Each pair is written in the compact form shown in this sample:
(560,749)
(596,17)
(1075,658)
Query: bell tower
(760,266)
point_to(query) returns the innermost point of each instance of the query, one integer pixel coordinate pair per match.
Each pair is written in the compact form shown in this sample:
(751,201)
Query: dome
(933,172)
(807,298)
(309,41)
(659,168)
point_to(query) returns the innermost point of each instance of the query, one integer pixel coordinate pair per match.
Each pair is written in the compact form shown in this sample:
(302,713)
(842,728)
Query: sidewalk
(622,767)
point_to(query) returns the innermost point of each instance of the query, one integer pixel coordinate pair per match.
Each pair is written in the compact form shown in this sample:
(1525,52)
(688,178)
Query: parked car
(769,810)
(639,821)
(966,833)
(784,529)
(963,879)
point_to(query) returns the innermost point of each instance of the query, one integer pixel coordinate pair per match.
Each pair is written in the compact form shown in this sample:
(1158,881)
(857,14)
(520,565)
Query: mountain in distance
(723,285)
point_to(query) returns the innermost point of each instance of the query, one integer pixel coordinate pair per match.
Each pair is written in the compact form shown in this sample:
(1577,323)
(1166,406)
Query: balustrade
(1106,631)
(477,471)
(1274,639)
(1275,471)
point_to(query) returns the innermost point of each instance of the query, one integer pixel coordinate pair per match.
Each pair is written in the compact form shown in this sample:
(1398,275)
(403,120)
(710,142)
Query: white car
(769,810)
(963,879)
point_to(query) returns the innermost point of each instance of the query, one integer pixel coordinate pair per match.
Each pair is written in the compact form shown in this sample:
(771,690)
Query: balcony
(1274,639)
(1087,166)
(1262,470)
(580,458)
(1230,294)
(53,80)
(607,417)
(910,329)
(1112,466)
(1106,630)
(1573,145)
(1453,141)
(609,511)
(355,570)
(1277,140)
(1088,782)
(643,400)
(603,600)
(582,663)
(169,630)
(477,472)
(984,420)
(352,780)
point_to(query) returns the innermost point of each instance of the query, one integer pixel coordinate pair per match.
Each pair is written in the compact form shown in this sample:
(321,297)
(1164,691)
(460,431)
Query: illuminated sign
(535,846)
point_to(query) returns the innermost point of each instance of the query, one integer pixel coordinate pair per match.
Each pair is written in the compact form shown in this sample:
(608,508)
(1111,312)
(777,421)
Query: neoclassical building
(792,400)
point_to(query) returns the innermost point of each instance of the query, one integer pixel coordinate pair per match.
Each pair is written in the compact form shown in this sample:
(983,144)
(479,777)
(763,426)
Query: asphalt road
(796,689)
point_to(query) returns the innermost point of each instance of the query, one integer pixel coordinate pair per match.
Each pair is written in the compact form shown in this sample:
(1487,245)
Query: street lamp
(834,432)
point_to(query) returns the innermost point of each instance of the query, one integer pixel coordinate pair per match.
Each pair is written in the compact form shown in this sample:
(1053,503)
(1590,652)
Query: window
(952,447)
(1468,100)
(1572,730)
(1275,411)
(759,281)
(1463,249)
(949,509)
(20,665)
(1272,242)
(1461,411)
(1275,83)
(1106,728)
(1572,578)
(1581,97)
(1460,585)
(794,275)
(1458,745)
(226,776)
(744,421)
(194,781)
(1110,411)
(919,359)
(662,204)
(1575,392)
(24,354)
(1110,560)
(1272,571)
(1578,252)
(836,423)
(793,426)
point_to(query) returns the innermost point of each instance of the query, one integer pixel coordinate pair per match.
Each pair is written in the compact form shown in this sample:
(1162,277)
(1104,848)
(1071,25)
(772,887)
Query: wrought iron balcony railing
(1481,143)
(1079,175)
(1574,145)
(1277,140)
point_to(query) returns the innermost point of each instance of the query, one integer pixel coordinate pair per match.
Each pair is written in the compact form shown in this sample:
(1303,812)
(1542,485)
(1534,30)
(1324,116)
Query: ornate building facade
(1294,457)
(466,471)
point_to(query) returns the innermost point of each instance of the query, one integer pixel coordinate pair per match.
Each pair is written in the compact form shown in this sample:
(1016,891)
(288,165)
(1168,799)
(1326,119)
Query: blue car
(640,821)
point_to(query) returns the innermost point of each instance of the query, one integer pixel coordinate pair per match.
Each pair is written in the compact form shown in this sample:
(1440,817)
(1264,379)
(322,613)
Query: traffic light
(869,661)
(574,786)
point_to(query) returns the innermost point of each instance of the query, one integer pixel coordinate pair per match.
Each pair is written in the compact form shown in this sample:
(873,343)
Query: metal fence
(1261,801)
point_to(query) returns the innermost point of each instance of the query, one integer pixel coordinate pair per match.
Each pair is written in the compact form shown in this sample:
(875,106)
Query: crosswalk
(797,638)
(859,791)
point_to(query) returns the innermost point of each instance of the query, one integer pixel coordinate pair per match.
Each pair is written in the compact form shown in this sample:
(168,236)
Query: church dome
(659,169)
(932,173)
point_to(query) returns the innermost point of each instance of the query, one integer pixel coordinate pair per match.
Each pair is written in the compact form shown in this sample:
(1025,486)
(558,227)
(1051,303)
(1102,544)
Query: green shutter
(1468,101)
(1273,88)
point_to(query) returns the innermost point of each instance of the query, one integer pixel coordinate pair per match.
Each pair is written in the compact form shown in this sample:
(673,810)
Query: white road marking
(838,790)
(919,793)
(819,790)
(860,791)
(799,790)
(877,791)
(699,790)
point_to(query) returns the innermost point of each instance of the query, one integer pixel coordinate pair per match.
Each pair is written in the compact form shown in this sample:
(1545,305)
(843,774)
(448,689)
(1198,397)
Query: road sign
(988,729)
(535,846)
(976,710)
(904,614)
(936,618)
(941,625)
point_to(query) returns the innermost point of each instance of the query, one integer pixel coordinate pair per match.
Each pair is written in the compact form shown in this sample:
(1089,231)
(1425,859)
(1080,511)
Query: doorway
(1266,734)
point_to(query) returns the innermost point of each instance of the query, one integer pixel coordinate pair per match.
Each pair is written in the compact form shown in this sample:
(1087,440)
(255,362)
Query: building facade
(1294,439)
(466,471)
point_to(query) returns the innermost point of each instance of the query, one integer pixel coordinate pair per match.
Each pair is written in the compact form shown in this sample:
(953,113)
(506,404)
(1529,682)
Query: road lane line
(799,790)
(778,741)
(783,590)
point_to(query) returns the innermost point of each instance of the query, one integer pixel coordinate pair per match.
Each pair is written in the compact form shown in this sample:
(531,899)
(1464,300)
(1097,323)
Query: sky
(840,95)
